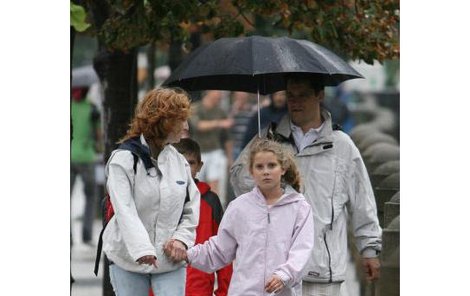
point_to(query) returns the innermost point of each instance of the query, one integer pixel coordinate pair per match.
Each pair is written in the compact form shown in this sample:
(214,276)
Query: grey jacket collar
(284,128)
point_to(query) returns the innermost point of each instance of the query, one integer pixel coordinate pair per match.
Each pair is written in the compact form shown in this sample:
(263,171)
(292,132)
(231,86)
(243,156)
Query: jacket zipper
(331,228)
(266,251)
(329,258)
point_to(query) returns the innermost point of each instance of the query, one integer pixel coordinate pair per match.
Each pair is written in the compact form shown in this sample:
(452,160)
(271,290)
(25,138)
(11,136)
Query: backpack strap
(136,159)
(135,146)
(99,247)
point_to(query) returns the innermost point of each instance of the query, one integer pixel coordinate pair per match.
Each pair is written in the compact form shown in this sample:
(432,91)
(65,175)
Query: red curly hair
(157,115)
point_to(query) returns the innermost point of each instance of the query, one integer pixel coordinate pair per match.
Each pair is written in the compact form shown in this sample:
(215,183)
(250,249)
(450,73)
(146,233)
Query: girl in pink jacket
(267,232)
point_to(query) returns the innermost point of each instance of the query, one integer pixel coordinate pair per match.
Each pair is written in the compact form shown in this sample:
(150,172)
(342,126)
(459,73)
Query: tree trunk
(151,66)
(118,75)
(175,54)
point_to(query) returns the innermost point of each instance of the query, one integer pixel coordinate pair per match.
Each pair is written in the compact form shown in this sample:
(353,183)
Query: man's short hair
(315,82)
(190,147)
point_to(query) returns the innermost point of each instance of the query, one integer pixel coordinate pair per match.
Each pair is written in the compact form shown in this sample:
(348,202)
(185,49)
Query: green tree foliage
(77,18)
(356,29)
(136,23)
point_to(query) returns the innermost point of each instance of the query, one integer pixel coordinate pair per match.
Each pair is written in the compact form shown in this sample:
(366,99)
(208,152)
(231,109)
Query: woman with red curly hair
(155,201)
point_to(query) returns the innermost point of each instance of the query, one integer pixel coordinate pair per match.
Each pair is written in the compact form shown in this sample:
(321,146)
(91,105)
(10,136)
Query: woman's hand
(149,260)
(275,284)
(175,250)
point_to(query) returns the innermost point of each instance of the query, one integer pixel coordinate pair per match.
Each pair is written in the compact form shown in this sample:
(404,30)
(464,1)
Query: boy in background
(199,283)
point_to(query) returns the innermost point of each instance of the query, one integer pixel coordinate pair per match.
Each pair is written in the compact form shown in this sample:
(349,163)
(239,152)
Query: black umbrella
(258,64)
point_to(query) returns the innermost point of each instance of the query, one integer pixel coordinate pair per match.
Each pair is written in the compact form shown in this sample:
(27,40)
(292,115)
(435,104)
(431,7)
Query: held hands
(274,285)
(149,260)
(371,268)
(175,250)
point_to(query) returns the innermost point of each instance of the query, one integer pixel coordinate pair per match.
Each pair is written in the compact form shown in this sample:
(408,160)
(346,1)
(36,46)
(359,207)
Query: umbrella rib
(320,61)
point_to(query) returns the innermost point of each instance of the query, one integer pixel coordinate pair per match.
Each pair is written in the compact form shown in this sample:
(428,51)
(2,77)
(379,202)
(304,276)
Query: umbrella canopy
(258,64)
(84,76)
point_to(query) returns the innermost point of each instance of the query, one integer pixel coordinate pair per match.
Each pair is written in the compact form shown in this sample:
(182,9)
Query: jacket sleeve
(291,272)
(120,188)
(186,230)
(363,210)
(219,250)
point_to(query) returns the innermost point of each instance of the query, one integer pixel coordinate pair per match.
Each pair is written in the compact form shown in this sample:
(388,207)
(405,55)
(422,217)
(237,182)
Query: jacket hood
(289,196)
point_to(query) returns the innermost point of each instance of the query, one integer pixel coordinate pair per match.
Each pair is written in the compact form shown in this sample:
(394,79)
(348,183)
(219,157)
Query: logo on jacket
(180,182)
(314,273)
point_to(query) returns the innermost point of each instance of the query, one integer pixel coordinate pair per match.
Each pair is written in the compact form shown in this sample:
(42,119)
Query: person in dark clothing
(271,113)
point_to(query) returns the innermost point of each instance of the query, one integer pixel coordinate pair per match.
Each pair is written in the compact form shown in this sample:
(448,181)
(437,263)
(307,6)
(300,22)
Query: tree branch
(240,12)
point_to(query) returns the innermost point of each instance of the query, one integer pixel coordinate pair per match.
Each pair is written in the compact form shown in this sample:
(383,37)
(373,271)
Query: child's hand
(275,284)
(175,250)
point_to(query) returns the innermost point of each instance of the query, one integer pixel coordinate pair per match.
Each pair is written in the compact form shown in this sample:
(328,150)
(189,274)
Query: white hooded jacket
(337,186)
(149,208)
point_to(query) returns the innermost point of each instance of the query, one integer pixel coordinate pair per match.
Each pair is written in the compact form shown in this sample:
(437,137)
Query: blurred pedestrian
(200,283)
(157,204)
(268,114)
(336,185)
(210,126)
(86,143)
(337,105)
(241,112)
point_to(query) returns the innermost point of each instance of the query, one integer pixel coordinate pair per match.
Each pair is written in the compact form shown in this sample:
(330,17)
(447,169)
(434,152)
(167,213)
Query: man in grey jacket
(335,182)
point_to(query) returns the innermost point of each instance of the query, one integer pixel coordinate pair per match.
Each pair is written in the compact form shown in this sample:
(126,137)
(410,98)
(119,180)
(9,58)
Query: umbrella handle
(259,117)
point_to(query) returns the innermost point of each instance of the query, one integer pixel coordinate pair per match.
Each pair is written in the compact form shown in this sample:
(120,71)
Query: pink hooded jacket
(261,241)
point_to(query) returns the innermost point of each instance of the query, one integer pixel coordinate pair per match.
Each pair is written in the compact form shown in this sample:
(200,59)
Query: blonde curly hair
(285,158)
(157,115)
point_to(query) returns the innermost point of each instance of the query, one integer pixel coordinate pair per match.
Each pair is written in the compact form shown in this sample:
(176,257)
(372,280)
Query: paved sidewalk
(83,263)
(83,256)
